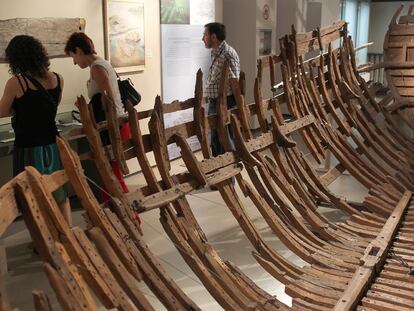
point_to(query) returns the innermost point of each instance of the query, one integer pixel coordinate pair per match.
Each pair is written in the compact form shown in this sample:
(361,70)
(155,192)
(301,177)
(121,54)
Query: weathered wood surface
(398,59)
(41,301)
(374,258)
(8,205)
(52,32)
(283,184)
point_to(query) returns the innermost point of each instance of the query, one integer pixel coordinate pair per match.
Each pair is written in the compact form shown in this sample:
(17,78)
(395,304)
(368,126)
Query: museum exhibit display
(365,261)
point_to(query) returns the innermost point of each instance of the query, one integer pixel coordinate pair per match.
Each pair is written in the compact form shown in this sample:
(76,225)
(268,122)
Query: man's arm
(234,64)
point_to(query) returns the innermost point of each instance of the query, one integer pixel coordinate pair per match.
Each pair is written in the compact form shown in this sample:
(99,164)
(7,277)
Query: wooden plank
(228,302)
(108,178)
(54,180)
(333,173)
(4,301)
(114,133)
(199,119)
(8,204)
(52,32)
(113,289)
(77,253)
(111,268)
(155,277)
(41,301)
(190,160)
(72,278)
(66,299)
(187,184)
(178,106)
(42,231)
(383,306)
(374,258)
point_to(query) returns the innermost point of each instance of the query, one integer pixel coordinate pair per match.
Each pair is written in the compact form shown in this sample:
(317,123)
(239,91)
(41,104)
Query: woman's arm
(10,92)
(62,82)
(101,77)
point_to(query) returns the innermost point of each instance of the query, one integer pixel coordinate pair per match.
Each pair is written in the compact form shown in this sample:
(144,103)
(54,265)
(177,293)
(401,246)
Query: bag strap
(119,78)
(42,90)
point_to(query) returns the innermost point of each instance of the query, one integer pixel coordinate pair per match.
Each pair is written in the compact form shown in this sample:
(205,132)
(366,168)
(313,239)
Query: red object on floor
(125,132)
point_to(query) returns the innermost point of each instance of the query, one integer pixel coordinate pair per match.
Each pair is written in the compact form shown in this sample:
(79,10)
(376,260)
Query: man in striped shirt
(214,38)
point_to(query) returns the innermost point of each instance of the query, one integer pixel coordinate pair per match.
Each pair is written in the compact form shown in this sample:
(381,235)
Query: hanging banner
(183,53)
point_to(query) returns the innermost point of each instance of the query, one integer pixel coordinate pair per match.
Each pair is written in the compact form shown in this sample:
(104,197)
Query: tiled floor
(220,227)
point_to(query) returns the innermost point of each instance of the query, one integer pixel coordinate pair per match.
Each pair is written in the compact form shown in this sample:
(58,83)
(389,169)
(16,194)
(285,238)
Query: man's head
(214,34)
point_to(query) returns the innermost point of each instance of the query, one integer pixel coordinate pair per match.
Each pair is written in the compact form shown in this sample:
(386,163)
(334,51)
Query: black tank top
(34,118)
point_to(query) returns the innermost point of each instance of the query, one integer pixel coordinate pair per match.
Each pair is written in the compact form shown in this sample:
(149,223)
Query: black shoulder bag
(128,92)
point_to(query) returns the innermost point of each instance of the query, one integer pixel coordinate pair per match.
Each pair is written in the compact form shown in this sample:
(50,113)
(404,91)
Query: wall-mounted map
(125,34)
(52,32)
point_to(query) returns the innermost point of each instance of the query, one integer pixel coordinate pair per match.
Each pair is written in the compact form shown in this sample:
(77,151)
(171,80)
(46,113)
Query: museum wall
(380,17)
(242,27)
(147,81)
(296,12)
(241,34)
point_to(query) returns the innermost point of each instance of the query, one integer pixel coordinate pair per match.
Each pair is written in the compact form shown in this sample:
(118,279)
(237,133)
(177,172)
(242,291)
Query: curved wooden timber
(360,263)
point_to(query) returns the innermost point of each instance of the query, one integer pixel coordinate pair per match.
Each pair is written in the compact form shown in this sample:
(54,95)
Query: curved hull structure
(399,62)
(350,265)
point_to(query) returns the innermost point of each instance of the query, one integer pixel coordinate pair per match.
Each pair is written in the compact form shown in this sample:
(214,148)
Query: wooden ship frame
(349,266)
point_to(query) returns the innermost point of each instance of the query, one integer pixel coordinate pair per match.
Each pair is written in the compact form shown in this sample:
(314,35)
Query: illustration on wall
(175,11)
(124,34)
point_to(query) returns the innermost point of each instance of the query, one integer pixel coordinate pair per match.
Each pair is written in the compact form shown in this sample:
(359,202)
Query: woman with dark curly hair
(31,97)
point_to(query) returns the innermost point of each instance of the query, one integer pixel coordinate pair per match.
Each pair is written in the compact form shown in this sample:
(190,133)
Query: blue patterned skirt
(45,159)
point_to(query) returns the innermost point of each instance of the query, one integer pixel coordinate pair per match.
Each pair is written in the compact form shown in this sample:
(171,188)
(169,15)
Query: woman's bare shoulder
(13,84)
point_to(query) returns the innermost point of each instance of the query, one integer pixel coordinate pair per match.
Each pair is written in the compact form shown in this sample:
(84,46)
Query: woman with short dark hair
(31,97)
(103,79)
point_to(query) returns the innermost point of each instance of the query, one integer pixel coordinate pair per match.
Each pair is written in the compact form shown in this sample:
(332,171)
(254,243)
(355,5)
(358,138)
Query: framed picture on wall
(124,34)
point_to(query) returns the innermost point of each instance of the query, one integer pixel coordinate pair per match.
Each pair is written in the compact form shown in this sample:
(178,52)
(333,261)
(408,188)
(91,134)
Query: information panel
(183,53)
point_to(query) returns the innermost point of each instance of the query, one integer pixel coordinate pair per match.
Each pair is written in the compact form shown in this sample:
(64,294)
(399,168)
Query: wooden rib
(108,178)
(4,301)
(131,256)
(107,271)
(125,279)
(198,116)
(114,132)
(41,301)
(209,280)
(185,254)
(64,295)
(77,254)
(8,204)
(89,202)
